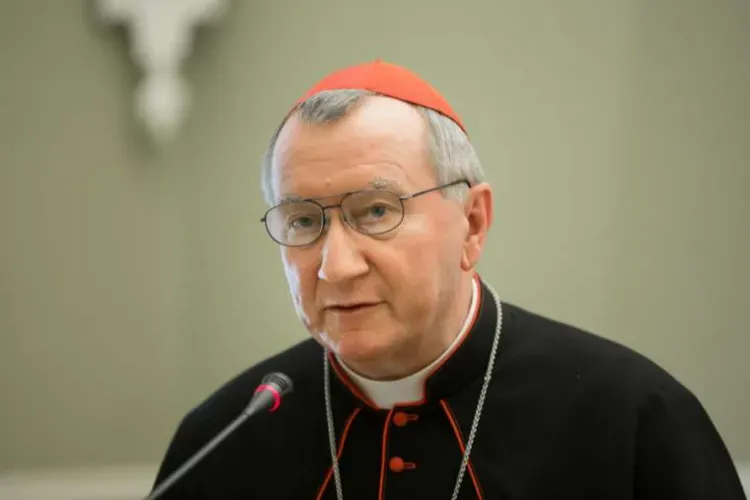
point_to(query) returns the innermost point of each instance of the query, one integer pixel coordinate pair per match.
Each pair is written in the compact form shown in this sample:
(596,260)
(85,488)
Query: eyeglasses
(372,212)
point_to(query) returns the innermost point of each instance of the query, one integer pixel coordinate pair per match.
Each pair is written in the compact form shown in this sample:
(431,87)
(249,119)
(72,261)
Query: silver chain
(474,424)
(331,431)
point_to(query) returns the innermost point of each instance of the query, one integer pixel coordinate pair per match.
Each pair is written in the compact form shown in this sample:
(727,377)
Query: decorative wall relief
(161,39)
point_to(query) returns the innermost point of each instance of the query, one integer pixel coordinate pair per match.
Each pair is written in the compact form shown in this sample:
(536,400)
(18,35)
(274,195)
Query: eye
(377,211)
(376,214)
(373,211)
(301,222)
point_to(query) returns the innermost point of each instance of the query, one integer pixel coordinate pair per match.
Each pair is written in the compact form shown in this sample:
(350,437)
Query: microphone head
(279,381)
(269,393)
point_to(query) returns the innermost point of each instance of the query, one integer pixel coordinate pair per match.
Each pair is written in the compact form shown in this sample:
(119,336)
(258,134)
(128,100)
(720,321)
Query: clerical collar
(386,394)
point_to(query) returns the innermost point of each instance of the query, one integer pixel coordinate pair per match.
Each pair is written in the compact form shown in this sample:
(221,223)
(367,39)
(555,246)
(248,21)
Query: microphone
(266,397)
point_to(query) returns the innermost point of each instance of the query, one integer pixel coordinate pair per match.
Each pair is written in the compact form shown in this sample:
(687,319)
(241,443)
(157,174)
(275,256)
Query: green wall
(134,280)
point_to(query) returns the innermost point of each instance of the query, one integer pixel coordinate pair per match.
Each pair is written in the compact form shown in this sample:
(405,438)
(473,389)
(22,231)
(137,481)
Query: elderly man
(418,381)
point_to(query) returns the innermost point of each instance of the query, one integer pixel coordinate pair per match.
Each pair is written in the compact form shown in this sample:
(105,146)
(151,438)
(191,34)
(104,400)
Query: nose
(341,258)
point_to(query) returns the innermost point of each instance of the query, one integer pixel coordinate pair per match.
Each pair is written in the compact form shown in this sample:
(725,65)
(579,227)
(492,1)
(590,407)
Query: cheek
(417,227)
(300,275)
(407,266)
(427,260)
(422,242)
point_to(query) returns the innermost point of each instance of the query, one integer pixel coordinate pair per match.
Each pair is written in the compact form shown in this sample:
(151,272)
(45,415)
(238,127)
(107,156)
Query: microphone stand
(267,396)
(208,448)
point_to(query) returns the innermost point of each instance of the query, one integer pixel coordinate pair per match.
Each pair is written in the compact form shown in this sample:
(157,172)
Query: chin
(362,346)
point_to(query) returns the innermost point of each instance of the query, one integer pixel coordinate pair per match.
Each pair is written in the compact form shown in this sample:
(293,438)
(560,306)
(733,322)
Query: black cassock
(568,415)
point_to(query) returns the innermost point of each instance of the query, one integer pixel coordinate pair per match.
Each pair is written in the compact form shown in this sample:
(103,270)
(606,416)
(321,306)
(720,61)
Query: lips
(350,308)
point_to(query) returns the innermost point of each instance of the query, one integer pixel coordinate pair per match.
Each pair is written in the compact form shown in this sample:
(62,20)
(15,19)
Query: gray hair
(452,155)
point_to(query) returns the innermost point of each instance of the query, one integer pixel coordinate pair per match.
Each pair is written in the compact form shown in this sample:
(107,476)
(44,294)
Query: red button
(397,464)
(400,419)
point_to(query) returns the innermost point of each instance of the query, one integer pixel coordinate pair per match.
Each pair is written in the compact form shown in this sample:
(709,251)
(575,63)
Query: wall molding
(161,38)
(127,482)
(131,482)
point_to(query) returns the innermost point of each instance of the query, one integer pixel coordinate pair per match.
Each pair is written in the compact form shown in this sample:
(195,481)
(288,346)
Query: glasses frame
(402,198)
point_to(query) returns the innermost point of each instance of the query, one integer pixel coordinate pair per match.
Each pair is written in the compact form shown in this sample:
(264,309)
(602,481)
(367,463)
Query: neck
(430,346)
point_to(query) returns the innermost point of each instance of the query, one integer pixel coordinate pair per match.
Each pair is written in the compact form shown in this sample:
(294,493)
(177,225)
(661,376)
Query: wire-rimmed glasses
(373,212)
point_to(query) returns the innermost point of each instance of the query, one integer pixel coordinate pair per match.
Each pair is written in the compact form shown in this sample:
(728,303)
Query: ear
(478,212)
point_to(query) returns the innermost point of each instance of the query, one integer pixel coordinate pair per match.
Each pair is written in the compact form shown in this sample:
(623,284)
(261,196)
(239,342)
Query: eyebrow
(383,183)
(290,198)
(378,183)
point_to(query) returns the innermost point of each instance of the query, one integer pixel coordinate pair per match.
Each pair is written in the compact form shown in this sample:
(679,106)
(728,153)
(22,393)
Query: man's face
(373,300)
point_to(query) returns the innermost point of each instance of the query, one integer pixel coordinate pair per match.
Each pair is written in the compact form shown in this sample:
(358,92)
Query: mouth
(351,308)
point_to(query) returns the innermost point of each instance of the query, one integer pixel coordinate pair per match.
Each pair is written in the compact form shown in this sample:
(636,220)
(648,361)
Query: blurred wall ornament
(161,38)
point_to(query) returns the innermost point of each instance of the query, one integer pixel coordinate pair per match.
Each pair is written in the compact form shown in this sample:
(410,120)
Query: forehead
(382,140)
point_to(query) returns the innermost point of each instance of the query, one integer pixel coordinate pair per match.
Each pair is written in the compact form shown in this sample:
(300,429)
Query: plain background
(135,280)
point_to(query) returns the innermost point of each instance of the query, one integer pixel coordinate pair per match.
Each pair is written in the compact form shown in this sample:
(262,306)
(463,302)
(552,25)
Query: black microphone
(266,397)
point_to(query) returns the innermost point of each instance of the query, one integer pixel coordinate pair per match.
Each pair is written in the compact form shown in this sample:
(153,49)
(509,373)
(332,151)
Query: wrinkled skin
(413,284)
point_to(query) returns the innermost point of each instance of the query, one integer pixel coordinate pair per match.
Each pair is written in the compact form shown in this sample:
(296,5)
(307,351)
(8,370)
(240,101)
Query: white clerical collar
(386,394)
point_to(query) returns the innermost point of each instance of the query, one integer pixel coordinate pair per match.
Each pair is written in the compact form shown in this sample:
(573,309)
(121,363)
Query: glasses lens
(295,223)
(373,212)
